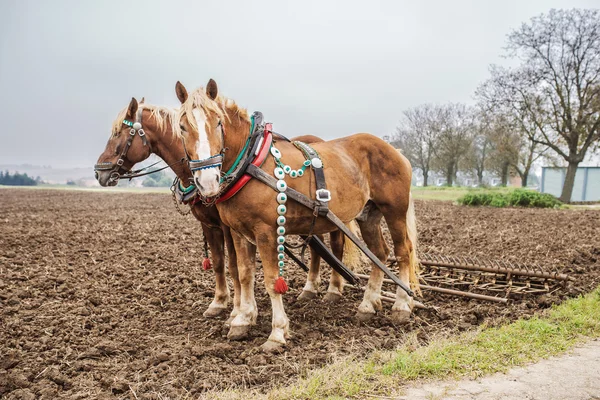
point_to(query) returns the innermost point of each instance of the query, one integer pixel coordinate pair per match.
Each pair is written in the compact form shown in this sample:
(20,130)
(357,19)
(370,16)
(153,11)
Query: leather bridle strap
(136,129)
(322,195)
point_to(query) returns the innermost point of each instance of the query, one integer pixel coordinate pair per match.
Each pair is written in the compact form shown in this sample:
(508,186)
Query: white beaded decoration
(279,174)
(275,152)
(281,185)
(281,198)
(280,171)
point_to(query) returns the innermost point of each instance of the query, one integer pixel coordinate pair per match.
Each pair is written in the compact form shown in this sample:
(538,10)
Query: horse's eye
(118,150)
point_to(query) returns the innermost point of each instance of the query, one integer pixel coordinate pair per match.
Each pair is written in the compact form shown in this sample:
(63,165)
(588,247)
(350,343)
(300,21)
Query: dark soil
(102,294)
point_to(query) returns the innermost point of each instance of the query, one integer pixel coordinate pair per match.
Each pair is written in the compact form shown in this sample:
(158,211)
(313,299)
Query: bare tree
(505,146)
(557,86)
(523,135)
(455,139)
(417,136)
(478,157)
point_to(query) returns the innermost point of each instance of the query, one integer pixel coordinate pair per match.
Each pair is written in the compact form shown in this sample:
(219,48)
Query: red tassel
(280,286)
(206,264)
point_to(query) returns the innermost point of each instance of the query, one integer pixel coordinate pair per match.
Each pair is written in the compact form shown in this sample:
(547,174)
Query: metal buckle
(120,162)
(323,195)
(141,133)
(132,132)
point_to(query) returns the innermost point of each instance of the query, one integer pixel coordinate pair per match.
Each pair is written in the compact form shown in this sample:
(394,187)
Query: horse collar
(260,150)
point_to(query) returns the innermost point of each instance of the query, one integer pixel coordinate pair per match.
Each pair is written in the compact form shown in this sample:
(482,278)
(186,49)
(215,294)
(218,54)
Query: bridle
(208,162)
(136,130)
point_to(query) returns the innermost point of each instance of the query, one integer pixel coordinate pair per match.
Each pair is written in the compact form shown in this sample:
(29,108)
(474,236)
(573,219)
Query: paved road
(575,376)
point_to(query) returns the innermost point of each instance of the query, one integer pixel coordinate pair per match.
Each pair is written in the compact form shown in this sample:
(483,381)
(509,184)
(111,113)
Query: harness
(136,130)
(248,165)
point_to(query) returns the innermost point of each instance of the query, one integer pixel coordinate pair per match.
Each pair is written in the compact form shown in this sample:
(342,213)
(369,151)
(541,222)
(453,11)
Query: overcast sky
(329,68)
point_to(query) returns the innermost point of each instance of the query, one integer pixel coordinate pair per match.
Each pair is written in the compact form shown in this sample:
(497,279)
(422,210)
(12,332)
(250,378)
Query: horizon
(329,73)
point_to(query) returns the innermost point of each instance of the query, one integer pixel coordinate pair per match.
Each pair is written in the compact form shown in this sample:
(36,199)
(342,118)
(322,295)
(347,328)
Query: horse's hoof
(272,347)
(212,312)
(227,323)
(331,297)
(400,316)
(307,295)
(364,317)
(238,332)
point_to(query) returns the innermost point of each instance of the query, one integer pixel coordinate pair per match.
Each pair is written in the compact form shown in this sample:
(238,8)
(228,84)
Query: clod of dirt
(95,300)
(21,394)
(62,278)
(255,361)
(59,378)
(159,358)
(13,301)
(8,361)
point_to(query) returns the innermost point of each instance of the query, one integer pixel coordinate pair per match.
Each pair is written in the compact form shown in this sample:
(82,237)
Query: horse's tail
(352,254)
(411,230)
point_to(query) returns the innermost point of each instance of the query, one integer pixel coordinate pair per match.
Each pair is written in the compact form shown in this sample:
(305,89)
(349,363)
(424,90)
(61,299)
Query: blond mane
(223,107)
(161,115)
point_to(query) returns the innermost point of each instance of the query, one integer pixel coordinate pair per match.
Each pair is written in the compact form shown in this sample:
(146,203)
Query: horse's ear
(132,109)
(182,94)
(211,89)
(142,100)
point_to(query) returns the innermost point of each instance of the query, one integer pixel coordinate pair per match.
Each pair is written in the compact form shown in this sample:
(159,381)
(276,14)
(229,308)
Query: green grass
(473,354)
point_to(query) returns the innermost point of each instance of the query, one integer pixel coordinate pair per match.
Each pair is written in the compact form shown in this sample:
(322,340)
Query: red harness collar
(258,161)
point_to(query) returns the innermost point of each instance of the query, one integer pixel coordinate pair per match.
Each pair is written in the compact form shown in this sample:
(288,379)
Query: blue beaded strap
(187,189)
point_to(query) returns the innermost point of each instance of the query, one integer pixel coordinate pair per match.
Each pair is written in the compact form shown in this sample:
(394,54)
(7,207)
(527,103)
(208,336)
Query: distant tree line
(17,179)
(547,107)
(158,179)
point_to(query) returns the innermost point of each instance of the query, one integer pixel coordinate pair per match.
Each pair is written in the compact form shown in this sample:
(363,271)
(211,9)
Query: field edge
(473,354)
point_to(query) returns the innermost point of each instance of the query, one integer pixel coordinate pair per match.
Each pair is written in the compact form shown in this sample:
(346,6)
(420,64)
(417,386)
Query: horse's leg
(280,324)
(402,226)
(336,283)
(246,256)
(233,271)
(313,279)
(373,237)
(215,239)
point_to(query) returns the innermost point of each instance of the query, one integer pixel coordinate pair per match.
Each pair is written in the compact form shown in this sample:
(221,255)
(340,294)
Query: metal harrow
(471,273)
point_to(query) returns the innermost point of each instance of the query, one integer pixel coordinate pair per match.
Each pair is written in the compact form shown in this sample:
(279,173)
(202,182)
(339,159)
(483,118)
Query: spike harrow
(470,273)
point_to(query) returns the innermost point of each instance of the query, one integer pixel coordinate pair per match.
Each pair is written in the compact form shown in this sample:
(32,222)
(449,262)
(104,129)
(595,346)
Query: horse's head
(123,149)
(200,124)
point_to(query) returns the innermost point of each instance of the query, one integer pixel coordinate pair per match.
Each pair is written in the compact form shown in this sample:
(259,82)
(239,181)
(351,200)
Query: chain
(176,203)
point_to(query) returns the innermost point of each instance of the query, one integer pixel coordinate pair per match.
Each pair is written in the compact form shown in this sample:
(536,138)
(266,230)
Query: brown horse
(157,124)
(364,175)
(162,141)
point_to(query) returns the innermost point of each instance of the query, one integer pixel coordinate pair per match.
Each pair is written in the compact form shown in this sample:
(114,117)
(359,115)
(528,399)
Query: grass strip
(473,354)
